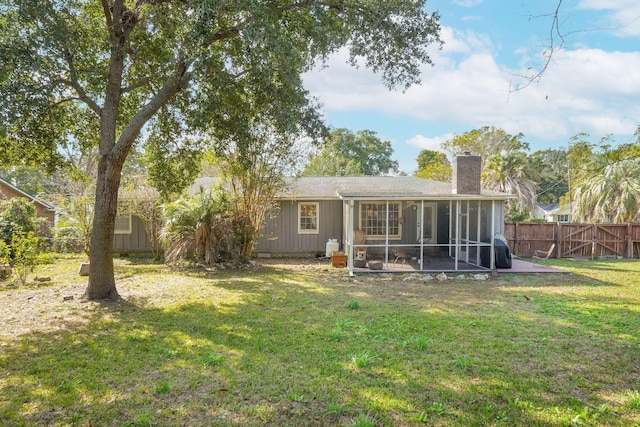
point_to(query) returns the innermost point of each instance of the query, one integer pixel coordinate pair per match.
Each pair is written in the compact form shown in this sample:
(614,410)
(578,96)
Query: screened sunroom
(429,227)
(421,234)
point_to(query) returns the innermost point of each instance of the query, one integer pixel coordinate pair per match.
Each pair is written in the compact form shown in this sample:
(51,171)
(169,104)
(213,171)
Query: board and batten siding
(137,241)
(280,232)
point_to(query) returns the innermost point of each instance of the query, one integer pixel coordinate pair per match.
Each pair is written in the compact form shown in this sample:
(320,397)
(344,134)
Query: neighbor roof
(23,193)
(548,207)
(376,187)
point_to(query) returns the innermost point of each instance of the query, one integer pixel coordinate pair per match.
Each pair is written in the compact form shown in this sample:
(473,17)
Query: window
(373,219)
(563,218)
(308,218)
(429,222)
(123,224)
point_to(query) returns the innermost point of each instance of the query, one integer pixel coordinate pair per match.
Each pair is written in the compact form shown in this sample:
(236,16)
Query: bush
(5,258)
(18,215)
(25,252)
(197,227)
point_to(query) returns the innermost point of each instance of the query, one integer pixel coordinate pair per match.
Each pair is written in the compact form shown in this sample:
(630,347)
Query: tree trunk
(101,274)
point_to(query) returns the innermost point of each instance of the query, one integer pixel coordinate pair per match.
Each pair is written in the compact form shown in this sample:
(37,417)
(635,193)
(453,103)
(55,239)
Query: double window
(374,219)
(308,218)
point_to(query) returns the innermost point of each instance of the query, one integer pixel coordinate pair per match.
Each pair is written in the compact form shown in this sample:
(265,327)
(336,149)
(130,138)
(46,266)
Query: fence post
(558,231)
(593,241)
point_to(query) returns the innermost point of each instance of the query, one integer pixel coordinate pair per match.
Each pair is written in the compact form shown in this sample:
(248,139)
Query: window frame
(315,230)
(366,228)
(128,230)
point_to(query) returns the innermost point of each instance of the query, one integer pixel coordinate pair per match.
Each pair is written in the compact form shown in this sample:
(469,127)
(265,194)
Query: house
(407,223)
(133,233)
(43,209)
(397,223)
(553,212)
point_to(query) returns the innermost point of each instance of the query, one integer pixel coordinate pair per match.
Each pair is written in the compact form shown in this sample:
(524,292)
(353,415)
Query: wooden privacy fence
(574,240)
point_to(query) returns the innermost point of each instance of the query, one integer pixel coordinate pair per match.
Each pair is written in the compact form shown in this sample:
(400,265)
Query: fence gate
(577,240)
(574,240)
(610,240)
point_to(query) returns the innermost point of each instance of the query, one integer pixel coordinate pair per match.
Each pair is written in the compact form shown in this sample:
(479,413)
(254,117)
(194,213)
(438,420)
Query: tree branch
(554,34)
(107,14)
(173,85)
(141,83)
(73,83)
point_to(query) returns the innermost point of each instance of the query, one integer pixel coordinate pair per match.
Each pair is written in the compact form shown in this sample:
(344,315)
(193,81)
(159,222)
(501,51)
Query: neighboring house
(130,234)
(43,209)
(553,212)
(407,222)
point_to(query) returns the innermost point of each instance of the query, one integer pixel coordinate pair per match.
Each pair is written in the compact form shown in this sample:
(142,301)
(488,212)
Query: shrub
(25,252)
(5,253)
(19,215)
(5,258)
(197,226)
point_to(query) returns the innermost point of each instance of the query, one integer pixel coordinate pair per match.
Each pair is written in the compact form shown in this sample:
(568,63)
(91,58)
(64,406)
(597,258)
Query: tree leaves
(346,153)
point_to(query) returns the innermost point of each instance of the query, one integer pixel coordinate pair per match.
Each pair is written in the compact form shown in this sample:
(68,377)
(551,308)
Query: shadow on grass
(289,350)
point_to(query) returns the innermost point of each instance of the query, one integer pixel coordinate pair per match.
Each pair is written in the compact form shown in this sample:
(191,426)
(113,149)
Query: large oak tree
(351,154)
(114,72)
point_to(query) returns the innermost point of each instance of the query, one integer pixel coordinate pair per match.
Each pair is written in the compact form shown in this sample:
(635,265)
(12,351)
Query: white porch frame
(459,241)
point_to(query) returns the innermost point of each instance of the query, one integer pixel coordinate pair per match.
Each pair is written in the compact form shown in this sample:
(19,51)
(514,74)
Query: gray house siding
(280,232)
(136,241)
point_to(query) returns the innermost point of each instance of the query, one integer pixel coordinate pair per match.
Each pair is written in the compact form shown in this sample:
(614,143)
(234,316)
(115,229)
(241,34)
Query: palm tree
(609,191)
(507,173)
(197,226)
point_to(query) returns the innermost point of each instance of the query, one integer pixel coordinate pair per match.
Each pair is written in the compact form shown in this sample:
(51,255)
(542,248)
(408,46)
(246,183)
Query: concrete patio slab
(521,266)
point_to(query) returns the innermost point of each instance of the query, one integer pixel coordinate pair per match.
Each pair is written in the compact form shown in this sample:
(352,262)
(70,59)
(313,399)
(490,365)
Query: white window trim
(434,223)
(123,231)
(307,231)
(381,236)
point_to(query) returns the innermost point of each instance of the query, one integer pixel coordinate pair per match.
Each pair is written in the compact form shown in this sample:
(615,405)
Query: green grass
(285,346)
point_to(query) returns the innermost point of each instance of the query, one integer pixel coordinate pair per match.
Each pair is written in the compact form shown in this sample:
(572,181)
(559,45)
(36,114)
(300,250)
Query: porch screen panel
(373,219)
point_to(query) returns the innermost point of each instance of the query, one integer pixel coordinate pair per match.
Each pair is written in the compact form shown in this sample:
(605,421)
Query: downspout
(350,237)
(421,234)
(386,239)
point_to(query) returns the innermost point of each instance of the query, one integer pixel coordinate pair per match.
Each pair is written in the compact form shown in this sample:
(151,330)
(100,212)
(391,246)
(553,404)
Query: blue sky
(592,85)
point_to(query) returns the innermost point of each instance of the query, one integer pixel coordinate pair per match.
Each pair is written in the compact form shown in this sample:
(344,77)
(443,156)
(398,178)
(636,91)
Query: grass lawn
(287,344)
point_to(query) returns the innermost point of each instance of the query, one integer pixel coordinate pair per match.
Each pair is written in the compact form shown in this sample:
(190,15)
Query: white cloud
(623,15)
(467,3)
(583,90)
(425,143)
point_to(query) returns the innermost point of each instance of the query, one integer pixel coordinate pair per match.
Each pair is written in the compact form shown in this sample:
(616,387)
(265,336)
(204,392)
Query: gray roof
(363,187)
(548,207)
(372,187)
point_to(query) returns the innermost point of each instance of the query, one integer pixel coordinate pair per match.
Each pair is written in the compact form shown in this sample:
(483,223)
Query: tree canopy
(347,154)
(549,169)
(505,166)
(485,142)
(433,165)
(605,181)
(114,73)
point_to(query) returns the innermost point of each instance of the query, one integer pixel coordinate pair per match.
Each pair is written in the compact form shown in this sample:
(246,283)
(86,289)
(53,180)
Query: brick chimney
(466,174)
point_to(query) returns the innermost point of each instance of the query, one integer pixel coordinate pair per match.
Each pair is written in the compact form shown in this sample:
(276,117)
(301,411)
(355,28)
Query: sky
(592,84)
